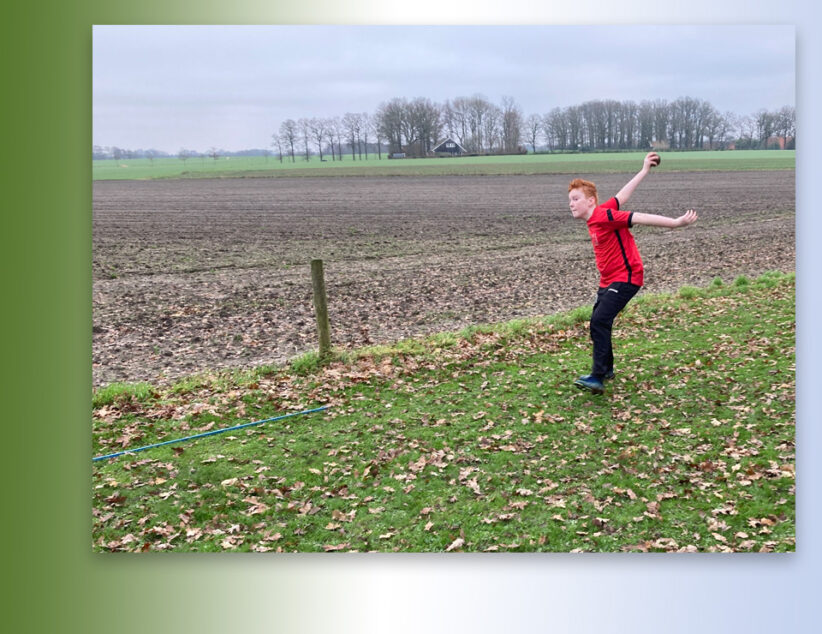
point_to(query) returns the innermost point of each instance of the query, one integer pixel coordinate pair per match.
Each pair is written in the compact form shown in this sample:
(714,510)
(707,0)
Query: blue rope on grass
(208,433)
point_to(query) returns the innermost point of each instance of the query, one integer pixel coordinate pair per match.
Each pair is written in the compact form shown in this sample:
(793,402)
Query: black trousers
(610,301)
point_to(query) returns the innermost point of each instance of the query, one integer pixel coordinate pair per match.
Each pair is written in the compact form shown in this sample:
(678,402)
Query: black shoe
(609,375)
(591,383)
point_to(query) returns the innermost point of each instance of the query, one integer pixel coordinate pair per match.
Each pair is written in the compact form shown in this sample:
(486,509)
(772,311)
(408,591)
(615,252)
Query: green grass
(258,167)
(121,392)
(477,441)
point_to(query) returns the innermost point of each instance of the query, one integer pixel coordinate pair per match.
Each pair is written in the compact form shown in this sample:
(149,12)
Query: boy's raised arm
(651,159)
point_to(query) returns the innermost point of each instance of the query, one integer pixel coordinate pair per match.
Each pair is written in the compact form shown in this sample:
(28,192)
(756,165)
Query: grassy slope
(477,441)
(250,167)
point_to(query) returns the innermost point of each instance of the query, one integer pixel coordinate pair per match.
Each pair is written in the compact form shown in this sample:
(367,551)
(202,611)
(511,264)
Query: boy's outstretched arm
(651,159)
(689,217)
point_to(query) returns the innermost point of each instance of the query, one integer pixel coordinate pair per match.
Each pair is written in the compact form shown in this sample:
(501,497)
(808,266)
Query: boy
(617,258)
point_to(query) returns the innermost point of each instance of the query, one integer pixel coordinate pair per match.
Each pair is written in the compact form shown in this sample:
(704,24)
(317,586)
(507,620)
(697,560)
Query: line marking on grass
(209,433)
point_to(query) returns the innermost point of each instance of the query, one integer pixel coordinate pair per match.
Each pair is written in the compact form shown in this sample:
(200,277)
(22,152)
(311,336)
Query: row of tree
(685,123)
(411,127)
(414,127)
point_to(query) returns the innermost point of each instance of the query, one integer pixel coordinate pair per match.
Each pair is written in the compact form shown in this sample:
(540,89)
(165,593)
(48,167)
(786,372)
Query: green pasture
(478,441)
(260,167)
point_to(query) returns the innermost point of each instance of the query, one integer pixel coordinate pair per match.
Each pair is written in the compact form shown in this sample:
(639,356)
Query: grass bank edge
(423,348)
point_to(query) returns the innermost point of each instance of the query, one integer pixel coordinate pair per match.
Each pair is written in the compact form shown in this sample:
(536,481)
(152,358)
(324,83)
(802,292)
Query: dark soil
(196,275)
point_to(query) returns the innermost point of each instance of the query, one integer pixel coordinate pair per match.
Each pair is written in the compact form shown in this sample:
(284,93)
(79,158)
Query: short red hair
(587,187)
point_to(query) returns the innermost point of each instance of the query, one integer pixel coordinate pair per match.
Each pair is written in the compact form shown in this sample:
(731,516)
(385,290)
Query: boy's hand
(652,159)
(689,217)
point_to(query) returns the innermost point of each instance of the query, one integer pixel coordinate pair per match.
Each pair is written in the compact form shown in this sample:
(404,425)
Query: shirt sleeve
(615,218)
(611,203)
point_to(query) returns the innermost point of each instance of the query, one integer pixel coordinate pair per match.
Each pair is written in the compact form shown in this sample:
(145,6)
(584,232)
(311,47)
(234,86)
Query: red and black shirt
(616,253)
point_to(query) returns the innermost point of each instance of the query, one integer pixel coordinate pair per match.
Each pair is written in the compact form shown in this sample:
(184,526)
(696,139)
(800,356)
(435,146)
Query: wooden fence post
(321,307)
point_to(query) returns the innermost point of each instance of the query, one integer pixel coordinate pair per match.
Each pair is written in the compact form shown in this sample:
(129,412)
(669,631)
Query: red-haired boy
(617,259)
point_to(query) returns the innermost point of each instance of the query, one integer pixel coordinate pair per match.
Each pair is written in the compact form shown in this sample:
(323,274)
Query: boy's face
(581,207)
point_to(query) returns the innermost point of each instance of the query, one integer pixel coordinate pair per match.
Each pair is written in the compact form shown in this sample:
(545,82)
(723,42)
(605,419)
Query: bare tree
(183,155)
(335,135)
(478,108)
(594,125)
(374,128)
(358,125)
(277,141)
(409,130)
(533,125)
(390,119)
(710,126)
(728,124)
(686,124)
(304,130)
(214,153)
(455,117)
(747,130)
(351,124)
(662,117)
(512,124)
(645,123)
(365,129)
(575,128)
(492,129)
(317,127)
(555,129)
(765,123)
(329,134)
(627,125)
(288,135)
(610,118)
(424,125)
(786,124)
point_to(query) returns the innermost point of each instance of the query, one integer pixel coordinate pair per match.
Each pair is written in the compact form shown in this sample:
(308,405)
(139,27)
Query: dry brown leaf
(457,543)
(330,548)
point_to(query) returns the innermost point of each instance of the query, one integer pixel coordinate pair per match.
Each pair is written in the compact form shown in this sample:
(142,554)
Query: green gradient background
(60,586)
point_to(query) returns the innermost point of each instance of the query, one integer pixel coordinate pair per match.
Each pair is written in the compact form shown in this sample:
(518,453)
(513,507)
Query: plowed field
(192,275)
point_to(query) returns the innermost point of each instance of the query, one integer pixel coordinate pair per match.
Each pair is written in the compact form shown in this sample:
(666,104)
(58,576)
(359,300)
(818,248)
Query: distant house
(780,143)
(449,146)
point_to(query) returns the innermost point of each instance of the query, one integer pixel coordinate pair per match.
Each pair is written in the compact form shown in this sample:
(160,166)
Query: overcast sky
(194,87)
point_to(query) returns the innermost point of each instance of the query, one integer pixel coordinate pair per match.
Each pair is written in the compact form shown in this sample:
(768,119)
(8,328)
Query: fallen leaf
(474,486)
(457,543)
(343,517)
(330,548)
